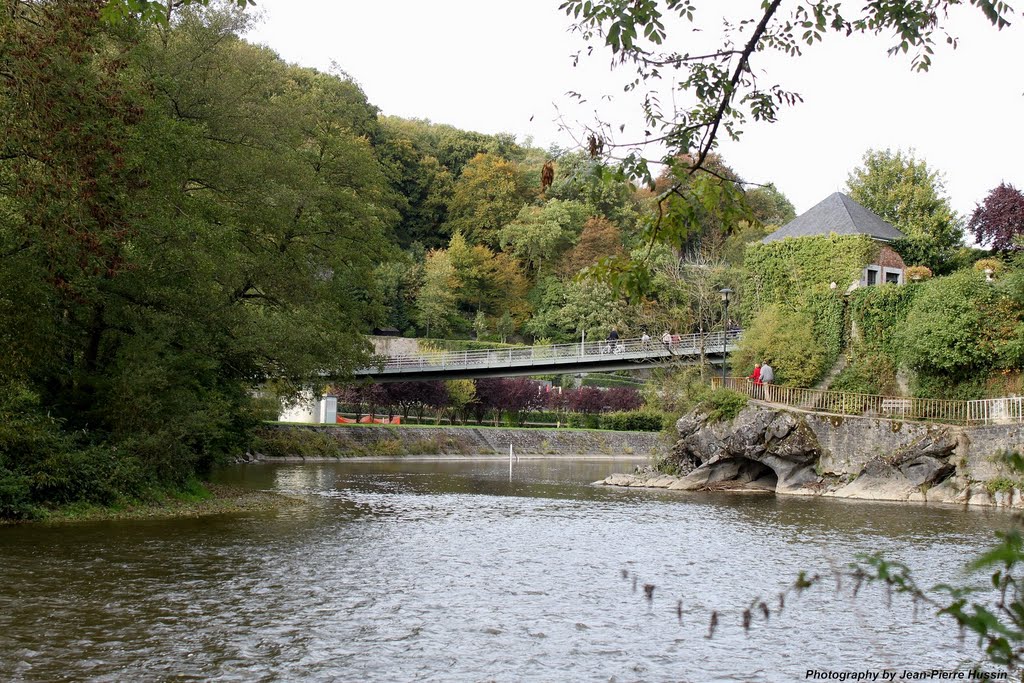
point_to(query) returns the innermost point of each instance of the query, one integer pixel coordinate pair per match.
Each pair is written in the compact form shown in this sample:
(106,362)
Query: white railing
(996,410)
(579,352)
(985,411)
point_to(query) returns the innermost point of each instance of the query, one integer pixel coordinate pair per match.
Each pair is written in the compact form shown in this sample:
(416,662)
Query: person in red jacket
(755,377)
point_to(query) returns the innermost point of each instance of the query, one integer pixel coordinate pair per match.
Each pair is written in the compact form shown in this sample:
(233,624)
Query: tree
(599,238)
(769,206)
(460,396)
(486,281)
(785,338)
(487,195)
(590,181)
(424,185)
(185,217)
(716,91)
(543,232)
(906,193)
(564,310)
(586,400)
(152,11)
(622,398)
(999,219)
(521,396)
(435,303)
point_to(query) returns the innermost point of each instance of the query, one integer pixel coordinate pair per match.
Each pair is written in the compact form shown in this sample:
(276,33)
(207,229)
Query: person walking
(755,377)
(613,337)
(767,377)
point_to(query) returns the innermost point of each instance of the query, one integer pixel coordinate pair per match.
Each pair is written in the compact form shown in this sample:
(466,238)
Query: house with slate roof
(839,214)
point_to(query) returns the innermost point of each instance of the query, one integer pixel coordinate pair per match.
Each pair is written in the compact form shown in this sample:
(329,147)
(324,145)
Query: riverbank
(200,501)
(308,442)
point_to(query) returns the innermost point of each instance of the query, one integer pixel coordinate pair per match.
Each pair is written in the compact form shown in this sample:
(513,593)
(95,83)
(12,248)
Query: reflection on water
(448,571)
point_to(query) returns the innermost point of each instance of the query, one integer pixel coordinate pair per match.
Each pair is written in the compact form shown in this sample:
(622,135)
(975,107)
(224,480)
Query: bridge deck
(552,359)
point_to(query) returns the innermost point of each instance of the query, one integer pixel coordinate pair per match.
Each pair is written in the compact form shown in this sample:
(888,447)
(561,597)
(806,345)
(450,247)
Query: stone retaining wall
(384,440)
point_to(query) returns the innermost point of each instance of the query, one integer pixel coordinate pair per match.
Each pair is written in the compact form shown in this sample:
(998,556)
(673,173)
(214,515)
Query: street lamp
(726,293)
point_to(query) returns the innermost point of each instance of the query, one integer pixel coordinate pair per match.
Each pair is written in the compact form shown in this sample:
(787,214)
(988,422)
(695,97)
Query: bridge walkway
(592,356)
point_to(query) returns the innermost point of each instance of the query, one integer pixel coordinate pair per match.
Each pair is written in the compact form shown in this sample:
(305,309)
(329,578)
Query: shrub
(785,338)
(386,447)
(584,420)
(634,421)
(292,442)
(918,273)
(676,391)
(953,326)
(723,404)
(995,265)
(867,374)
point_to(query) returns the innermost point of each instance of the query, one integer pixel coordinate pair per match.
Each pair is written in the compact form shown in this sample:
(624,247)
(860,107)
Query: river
(442,570)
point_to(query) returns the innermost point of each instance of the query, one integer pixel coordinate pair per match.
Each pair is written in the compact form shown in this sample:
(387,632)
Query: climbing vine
(786,271)
(788,295)
(877,315)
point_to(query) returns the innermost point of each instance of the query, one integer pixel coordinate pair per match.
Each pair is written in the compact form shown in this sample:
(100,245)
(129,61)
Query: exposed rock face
(914,468)
(792,452)
(755,445)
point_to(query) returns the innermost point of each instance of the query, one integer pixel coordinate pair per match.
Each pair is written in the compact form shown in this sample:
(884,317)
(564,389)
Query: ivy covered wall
(787,270)
(795,320)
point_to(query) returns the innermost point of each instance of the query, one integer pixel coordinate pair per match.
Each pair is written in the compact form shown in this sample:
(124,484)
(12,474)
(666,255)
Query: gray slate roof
(839,214)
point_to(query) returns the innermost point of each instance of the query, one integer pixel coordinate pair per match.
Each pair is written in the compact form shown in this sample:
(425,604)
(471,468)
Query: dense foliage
(910,196)
(184,217)
(785,270)
(999,219)
(785,338)
(954,337)
(510,400)
(723,405)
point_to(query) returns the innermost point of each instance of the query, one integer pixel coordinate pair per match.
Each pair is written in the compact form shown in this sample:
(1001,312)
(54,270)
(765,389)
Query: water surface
(447,571)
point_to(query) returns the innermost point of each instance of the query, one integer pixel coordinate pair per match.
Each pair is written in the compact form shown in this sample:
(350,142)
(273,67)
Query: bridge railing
(688,345)
(985,411)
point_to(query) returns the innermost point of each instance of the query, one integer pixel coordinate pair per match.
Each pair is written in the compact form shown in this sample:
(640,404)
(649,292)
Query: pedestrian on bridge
(666,339)
(613,337)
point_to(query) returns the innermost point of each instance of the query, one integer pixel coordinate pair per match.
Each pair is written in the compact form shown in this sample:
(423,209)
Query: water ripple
(449,572)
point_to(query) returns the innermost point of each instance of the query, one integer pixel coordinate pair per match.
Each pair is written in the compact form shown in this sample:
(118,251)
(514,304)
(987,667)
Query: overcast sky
(493,67)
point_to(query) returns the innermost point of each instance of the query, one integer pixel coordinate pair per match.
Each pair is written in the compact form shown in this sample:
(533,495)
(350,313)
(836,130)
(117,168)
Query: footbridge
(602,356)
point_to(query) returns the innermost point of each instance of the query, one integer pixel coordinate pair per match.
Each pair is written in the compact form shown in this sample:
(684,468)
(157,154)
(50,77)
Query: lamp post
(726,293)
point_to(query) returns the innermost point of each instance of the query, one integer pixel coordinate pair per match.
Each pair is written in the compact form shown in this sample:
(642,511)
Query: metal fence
(681,345)
(985,411)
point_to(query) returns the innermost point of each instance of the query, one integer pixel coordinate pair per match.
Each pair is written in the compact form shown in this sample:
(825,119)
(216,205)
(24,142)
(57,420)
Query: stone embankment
(357,440)
(795,453)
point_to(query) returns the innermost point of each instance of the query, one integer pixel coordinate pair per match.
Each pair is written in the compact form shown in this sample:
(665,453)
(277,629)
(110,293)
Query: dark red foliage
(489,397)
(586,400)
(521,396)
(408,396)
(622,398)
(999,220)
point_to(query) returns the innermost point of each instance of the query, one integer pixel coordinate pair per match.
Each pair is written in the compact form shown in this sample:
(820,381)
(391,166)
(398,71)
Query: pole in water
(510,462)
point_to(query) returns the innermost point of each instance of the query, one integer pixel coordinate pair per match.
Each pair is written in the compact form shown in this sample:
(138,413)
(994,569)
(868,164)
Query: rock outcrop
(798,453)
(757,446)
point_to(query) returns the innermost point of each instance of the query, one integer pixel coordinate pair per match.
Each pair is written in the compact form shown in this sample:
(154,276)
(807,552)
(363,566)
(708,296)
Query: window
(892,277)
(872,277)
